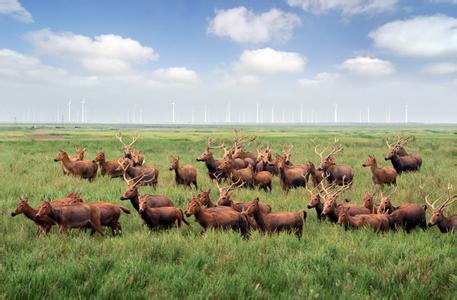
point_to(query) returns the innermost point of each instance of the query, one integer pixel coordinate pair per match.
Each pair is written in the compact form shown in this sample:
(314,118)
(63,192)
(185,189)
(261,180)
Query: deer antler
(387,143)
(210,141)
(134,139)
(119,137)
(336,149)
(320,154)
(449,198)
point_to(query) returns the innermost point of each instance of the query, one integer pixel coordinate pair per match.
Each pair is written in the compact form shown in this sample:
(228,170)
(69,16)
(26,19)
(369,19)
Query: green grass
(328,262)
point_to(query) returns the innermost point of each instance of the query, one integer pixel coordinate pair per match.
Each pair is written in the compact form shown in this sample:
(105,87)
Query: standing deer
(161,217)
(185,175)
(315,202)
(132,194)
(336,174)
(43,224)
(135,156)
(290,176)
(211,163)
(405,163)
(149,175)
(331,207)
(315,174)
(445,224)
(77,157)
(243,176)
(379,222)
(86,169)
(381,176)
(108,167)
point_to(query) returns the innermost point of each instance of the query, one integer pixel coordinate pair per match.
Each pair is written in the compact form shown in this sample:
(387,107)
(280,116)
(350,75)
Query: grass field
(328,262)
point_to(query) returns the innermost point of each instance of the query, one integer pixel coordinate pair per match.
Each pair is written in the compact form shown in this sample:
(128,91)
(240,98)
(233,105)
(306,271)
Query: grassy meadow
(328,262)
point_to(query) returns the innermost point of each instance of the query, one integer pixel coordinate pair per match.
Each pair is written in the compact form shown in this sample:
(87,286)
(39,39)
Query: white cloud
(370,66)
(440,69)
(244,26)
(423,36)
(347,7)
(176,75)
(107,54)
(268,61)
(322,78)
(22,69)
(16,10)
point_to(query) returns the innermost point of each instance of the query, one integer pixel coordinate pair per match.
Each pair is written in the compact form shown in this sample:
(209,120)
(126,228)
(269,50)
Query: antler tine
(235,185)
(125,177)
(218,187)
(449,197)
(336,149)
(320,154)
(134,139)
(119,137)
(387,143)
(429,204)
(210,140)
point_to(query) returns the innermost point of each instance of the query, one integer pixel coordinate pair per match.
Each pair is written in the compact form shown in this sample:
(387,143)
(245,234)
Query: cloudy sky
(130,60)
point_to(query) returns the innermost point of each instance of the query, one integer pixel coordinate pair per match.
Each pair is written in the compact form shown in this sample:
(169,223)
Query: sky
(238,61)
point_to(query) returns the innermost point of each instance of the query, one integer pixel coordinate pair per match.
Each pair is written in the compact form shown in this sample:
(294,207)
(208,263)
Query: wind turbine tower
(83,102)
(173,112)
(69,111)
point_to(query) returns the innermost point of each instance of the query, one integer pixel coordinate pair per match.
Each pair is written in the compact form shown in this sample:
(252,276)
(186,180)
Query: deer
(381,176)
(218,219)
(265,163)
(368,202)
(185,175)
(43,224)
(316,175)
(132,194)
(263,180)
(400,145)
(79,155)
(445,224)
(408,216)
(151,174)
(225,198)
(278,221)
(336,174)
(108,167)
(315,201)
(239,143)
(211,163)
(331,207)
(109,215)
(244,176)
(72,216)
(290,176)
(161,217)
(405,163)
(135,156)
(86,169)
(379,222)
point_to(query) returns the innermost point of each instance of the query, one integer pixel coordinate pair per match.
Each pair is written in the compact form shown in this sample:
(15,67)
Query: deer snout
(187,213)
(309,206)
(123,198)
(13,214)
(386,158)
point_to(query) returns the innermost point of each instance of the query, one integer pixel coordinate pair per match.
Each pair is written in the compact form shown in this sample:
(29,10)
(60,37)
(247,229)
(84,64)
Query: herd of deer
(241,169)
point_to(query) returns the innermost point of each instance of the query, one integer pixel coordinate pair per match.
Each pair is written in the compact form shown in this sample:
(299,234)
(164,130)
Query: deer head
(438,211)
(127,147)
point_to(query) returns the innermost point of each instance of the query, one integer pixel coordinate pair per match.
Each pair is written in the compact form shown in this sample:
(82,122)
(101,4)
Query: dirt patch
(51,136)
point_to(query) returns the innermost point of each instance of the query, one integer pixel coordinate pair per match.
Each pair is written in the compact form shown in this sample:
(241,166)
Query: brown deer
(244,176)
(86,169)
(109,215)
(136,157)
(149,175)
(385,205)
(381,176)
(408,216)
(379,222)
(108,167)
(185,175)
(290,176)
(405,163)
(336,174)
(211,163)
(265,163)
(315,202)
(400,145)
(278,221)
(445,224)
(43,224)
(161,217)
(263,180)
(316,175)
(72,216)
(132,194)
(218,219)
(77,157)
(240,142)
(369,203)
(225,199)
(331,207)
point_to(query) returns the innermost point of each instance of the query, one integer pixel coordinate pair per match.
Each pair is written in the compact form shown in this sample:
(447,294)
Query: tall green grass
(328,262)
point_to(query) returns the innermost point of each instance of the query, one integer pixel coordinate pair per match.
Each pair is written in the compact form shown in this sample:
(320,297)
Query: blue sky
(131,59)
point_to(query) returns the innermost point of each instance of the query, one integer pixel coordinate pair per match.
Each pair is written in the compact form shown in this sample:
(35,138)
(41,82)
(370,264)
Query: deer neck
(374,168)
(30,212)
(135,200)
(259,218)
(444,224)
(319,207)
(66,161)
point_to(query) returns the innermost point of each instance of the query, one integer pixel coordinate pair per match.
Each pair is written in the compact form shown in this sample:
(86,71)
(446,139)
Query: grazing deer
(336,174)
(379,222)
(445,224)
(244,176)
(218,219)
(149,175)
(72,216)
(406,163)
(277,221)
(161,217)
(86,169)
(108,167)
(43,224)
(185,175)
(80,152)
(211,163)
(381,176)
(132,194)
(135,156)
(290,176)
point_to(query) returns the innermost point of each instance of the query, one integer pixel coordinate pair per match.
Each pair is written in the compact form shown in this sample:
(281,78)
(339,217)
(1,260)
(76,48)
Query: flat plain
(328,262)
